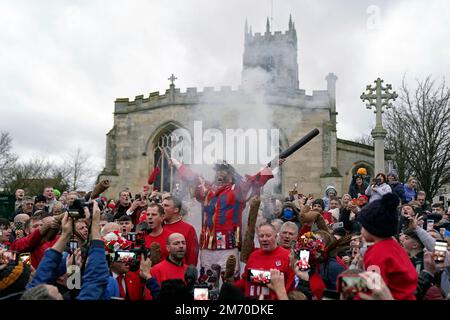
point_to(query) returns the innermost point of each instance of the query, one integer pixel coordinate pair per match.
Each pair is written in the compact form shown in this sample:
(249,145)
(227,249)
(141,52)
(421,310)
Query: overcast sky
(63,63)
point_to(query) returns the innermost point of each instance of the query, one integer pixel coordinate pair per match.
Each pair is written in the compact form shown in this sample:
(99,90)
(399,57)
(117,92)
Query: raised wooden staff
(247,246)
(291,149)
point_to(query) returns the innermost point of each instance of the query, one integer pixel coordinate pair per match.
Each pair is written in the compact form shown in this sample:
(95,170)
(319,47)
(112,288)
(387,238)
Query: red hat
(111,205)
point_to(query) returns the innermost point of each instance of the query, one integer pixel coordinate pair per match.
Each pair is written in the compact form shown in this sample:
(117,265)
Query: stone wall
(138,123)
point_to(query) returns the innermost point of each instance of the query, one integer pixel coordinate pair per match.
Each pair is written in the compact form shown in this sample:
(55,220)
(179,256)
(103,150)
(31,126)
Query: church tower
(270,59)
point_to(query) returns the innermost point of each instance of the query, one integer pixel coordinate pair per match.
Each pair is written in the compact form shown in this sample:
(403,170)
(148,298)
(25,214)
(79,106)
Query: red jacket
(32,243)
(261,260)
(395,268)
(190,235)
(222,207)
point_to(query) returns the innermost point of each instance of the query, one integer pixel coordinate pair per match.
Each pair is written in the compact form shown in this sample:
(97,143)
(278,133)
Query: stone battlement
(269,36)
(224,95)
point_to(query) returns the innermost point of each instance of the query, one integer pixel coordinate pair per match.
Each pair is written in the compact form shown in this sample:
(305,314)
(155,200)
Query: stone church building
(269,96)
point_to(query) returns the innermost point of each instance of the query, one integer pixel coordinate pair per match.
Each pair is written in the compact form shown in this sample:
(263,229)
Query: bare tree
(33,176)
(364,139)
(419,134)
(78,170)
(7,157)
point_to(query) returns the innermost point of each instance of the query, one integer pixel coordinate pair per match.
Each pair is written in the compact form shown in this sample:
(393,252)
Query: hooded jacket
(399,190)
(326,199)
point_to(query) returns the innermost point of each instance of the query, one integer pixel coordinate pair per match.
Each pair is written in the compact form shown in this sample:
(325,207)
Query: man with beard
(222,204)
(173,267)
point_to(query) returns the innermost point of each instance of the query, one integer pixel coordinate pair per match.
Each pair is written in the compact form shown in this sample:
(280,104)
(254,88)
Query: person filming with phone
(378,188)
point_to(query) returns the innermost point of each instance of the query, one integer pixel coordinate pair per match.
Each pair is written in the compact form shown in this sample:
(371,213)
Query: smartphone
(303,262)
(440,249)
(73,245)
(137,197)
(258,276)
(131,236)
(125,256)
(201,293)
(25,258)
(430,224)
(337,225)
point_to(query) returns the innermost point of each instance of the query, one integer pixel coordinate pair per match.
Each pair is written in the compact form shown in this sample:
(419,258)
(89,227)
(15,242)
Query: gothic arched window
(165,180)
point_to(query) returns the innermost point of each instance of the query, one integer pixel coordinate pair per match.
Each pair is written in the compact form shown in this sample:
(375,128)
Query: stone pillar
(378,135)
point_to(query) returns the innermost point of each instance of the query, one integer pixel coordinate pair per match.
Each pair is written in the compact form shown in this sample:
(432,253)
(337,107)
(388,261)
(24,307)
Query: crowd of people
(380,241)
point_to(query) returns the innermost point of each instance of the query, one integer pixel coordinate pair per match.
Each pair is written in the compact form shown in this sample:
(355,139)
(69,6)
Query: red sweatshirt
(261,260)
(190,235)
(162,240)
(395,267)
(166,270)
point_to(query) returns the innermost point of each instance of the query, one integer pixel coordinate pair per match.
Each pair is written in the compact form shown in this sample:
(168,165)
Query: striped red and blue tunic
(222,207)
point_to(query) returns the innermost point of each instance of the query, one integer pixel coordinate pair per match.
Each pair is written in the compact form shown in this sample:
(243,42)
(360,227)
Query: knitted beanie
(14,277)
(381,216)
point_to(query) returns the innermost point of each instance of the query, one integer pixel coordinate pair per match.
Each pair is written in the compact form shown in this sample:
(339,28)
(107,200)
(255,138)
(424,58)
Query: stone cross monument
(378,97)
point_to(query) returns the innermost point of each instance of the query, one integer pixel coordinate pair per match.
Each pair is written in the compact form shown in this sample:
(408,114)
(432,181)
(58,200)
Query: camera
(125,256)
(76,210)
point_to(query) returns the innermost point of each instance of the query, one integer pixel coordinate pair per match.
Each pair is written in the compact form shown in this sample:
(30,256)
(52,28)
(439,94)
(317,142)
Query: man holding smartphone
(268,256)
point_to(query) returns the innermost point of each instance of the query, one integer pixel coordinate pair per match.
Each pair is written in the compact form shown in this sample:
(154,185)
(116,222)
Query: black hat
(223,165)
(380,217)
(40,198)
